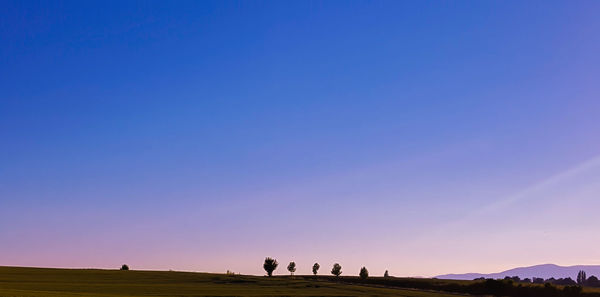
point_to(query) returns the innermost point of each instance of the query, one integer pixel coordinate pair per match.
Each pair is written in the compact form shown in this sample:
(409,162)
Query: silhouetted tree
(386,274)
(526,280)
(581,278)
(515,279)
(292,267)
(336,270)
(592,281)
(270,265)
(364,273)
(538,280)
(124,267)
(565,282)
(316,267)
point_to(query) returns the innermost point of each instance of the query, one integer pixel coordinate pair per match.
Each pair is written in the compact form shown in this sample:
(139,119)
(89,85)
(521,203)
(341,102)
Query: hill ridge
(542,270)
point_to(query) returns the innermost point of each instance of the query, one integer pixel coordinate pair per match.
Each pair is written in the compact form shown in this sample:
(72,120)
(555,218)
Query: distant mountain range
(545,271)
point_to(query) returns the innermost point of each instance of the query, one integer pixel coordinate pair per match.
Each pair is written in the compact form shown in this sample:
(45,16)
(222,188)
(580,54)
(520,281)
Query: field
(44,282)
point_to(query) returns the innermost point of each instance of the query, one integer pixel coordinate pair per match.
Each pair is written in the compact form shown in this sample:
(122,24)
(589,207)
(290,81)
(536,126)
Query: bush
(124,267)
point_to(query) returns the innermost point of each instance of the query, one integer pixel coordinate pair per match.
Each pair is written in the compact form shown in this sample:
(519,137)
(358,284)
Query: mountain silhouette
(544,271)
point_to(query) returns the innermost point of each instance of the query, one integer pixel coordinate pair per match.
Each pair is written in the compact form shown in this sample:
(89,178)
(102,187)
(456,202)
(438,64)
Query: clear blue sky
(419,137)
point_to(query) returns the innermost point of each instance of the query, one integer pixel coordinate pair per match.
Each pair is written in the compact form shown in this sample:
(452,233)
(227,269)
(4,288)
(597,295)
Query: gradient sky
(419,137)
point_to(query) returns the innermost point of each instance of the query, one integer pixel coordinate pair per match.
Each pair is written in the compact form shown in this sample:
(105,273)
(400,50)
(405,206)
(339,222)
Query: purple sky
(421,138)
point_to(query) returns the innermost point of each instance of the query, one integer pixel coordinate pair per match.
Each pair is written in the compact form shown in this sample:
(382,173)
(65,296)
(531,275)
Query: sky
(417,137)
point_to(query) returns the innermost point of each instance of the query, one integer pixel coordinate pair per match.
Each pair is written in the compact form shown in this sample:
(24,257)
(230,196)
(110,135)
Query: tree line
(507,287)
(271,264)
(582,280)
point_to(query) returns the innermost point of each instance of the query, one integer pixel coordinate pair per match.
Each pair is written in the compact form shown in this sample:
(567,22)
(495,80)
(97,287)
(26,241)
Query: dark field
(37,282)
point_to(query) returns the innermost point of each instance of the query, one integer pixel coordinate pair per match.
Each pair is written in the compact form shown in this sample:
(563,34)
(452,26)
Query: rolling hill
(46,282)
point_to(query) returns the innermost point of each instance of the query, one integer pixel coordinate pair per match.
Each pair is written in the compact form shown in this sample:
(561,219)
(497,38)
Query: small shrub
(231,273)
(124,267)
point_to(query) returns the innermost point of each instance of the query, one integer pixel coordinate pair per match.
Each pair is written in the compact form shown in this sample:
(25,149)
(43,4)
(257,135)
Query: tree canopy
(336,270)
(364,273)
(315,268)
(270,265)
(292,267)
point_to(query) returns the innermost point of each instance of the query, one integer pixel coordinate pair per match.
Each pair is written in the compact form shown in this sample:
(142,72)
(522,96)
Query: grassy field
(38,282)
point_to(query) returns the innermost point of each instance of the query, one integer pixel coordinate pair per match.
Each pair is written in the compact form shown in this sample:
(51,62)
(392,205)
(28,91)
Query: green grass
(45,282)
